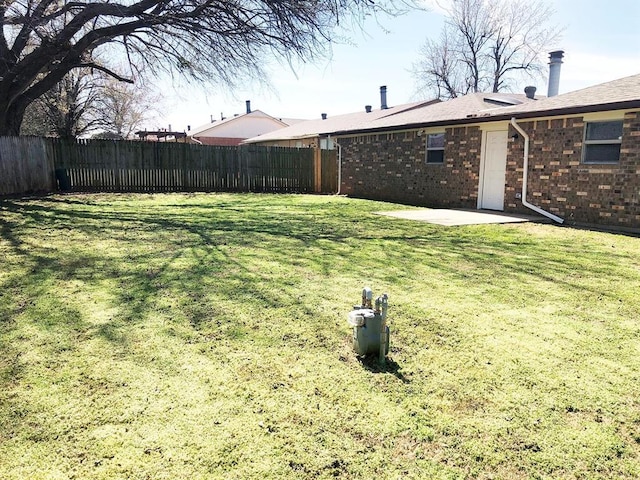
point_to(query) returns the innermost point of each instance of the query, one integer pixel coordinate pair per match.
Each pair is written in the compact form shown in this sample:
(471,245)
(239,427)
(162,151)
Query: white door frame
(490,127)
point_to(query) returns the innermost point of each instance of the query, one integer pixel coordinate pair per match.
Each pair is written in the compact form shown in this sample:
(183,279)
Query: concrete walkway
(441,216)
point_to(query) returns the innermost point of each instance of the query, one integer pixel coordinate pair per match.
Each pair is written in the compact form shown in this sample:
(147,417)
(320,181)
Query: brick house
(581,151)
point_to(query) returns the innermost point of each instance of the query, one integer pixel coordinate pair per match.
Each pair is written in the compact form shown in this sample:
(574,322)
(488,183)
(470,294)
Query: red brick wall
(392,167)
(607,194)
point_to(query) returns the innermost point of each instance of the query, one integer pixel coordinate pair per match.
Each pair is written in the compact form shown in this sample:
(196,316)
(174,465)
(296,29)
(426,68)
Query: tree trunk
(11,119)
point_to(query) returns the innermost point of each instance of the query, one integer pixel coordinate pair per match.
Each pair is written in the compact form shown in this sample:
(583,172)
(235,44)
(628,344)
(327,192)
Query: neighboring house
(316,133)
(233,130)
(582,155)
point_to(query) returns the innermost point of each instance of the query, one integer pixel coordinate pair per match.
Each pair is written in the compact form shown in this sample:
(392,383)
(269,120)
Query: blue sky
(601,41)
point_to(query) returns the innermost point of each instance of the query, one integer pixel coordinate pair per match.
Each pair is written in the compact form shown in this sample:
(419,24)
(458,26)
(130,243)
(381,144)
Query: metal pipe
(555,63)
(384,338)
(339,163)
(525,176)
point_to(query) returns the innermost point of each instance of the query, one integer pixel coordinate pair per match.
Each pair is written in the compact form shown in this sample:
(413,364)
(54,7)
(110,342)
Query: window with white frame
(435,147)
(602,142)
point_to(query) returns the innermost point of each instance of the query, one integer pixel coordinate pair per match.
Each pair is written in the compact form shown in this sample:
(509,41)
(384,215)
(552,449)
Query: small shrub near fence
(43,164)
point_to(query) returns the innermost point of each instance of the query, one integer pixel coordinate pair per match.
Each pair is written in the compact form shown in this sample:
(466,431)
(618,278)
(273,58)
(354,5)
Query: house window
(435,148)
(602,142)
(326,144)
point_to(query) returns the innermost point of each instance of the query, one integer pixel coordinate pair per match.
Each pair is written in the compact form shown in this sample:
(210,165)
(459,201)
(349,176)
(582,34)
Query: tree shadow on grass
(372,363)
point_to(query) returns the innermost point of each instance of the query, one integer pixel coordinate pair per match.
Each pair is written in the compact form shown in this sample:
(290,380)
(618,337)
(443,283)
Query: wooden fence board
(329,169)
(33,164)
(25,166)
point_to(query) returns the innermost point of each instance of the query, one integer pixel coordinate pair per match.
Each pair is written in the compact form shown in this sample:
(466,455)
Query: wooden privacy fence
(34,164)
(26,165)
(329,171)
(133,166)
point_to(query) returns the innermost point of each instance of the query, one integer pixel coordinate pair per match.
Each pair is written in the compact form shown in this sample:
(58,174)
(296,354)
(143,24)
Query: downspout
(525,175)
(339,163)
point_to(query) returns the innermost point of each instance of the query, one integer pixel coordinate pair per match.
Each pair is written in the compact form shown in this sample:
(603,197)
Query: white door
(494,170)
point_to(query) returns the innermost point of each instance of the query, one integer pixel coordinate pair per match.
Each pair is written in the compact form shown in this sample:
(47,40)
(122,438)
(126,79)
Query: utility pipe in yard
(525,175)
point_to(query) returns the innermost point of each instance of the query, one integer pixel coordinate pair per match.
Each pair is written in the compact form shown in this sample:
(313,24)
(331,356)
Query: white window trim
(585,142)
(427,149)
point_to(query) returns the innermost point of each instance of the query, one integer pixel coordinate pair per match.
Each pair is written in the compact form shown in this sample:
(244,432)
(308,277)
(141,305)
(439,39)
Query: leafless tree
(67,110)
(122,108)
(210,40)
(485,45)
(86,102)
(440,69)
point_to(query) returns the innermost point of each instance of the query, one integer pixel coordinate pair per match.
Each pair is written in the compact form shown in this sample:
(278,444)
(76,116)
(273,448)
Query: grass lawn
(205,336)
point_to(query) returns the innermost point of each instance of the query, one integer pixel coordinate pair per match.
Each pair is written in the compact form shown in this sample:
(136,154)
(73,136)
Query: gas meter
(369,322)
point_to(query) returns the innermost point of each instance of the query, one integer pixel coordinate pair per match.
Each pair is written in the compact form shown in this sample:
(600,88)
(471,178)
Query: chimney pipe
(248,103)
(324,116)
(383,97)
(555,62)
(367,108)
(530,91)
(212,120)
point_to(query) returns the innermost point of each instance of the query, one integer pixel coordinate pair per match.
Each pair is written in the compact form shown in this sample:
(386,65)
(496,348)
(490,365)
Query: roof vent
(324,116)
(248,103)
(367,108)
(530,91)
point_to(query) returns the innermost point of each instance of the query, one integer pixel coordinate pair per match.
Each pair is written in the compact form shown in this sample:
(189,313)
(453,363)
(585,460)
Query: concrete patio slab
(455,217)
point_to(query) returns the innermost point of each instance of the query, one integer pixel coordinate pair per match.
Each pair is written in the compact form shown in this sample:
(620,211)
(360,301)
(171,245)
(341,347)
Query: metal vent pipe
(555,62)
(383,97)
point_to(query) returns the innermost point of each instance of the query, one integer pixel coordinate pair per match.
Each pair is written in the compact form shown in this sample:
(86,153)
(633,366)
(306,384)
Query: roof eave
(624,105)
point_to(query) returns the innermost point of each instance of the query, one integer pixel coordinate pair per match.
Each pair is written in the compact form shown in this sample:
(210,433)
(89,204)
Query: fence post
(317,169)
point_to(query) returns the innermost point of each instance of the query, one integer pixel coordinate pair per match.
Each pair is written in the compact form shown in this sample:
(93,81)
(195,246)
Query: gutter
(525,175)
(339,163)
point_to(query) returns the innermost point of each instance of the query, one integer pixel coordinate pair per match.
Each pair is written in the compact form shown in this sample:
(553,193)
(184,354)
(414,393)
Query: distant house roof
(314,128)
(209,128)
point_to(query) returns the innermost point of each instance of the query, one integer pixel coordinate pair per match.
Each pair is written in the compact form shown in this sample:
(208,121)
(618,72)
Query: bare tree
(210,40)
(484,46)
(67,110)
(520,34)
(439,69)
(85,102)
(122,108)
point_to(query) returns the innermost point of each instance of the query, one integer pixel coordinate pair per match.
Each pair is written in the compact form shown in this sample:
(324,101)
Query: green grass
(205,336)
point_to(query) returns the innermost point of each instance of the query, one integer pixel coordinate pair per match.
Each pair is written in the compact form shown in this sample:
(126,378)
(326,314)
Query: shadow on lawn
(207,236)
(371,363)
(187,256)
